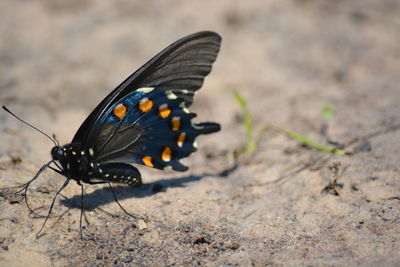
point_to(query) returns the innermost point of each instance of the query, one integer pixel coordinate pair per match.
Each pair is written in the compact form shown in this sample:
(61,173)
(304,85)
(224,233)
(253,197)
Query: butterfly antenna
(21,120)
(55,139)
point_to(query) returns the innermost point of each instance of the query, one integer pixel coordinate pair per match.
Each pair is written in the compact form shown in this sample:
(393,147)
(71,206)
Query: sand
(288,59)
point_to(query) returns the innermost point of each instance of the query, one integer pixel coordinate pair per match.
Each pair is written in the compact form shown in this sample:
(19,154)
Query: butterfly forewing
(180,67)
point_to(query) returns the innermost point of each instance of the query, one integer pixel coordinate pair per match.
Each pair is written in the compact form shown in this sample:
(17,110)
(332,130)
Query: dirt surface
(58,60)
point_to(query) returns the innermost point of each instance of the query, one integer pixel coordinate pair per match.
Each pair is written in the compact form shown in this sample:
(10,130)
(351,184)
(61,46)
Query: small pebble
(234,245)
(363,147)
(373,178)
(43,189)
(127,259)
(142,224)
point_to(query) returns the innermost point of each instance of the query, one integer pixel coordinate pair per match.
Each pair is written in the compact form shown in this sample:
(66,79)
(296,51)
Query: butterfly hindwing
(150,127)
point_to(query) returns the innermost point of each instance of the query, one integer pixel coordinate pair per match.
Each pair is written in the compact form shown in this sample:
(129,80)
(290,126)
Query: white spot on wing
(184,108)
(180,142)
(196,126)
(170,95)
(144,99)
(145,89)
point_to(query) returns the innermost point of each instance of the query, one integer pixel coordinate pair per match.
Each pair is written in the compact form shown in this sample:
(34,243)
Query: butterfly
(145,120)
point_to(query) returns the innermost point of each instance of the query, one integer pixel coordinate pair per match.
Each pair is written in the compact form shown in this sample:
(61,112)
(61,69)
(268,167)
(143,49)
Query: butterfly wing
(150,127)
(182,66)
(146,120)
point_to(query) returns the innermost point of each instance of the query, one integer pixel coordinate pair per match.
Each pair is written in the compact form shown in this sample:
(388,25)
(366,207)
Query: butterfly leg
(24,187)
(119,204)
(120,173)
(52,204)
(80,219)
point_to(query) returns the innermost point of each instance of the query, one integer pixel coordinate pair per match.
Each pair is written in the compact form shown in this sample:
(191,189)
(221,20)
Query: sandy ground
(286,58)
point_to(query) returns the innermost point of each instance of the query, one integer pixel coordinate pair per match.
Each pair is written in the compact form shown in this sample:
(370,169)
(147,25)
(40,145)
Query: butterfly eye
(57,153)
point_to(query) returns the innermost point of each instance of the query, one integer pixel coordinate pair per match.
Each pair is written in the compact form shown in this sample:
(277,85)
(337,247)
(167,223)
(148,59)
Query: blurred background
(59,59)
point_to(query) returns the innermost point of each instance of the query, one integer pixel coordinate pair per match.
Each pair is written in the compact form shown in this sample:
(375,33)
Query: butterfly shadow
(104,195)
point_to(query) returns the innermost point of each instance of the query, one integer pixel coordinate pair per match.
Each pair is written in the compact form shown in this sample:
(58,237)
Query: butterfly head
(58,153)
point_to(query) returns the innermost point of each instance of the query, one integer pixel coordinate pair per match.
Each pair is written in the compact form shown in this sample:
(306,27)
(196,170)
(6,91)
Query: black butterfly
(145,120)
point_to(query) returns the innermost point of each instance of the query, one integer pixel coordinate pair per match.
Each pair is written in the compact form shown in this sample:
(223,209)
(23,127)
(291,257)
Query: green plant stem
(250,141)
(308,142)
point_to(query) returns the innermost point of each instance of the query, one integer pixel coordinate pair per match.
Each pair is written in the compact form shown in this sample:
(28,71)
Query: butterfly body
(146,120)
(79,165)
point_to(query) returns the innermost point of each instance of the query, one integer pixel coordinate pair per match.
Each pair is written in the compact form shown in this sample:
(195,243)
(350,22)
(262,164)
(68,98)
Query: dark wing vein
(116,130)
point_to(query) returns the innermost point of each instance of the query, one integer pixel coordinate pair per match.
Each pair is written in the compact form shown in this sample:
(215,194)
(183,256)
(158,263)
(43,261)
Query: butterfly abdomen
(118,173)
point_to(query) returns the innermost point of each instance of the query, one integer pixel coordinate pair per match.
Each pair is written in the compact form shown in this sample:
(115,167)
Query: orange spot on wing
(147,161)
(175,123)
(181,139)
(164,111)
(166,154)
(145,105)
(120,111)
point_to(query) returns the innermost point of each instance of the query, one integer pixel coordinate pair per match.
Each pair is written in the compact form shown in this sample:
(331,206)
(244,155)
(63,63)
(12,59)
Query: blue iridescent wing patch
(150,127)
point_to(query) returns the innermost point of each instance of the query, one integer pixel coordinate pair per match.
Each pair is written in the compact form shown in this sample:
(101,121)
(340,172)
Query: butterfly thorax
(75,162)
